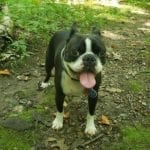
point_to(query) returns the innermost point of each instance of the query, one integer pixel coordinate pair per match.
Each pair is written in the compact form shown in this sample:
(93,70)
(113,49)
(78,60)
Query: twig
(91,141)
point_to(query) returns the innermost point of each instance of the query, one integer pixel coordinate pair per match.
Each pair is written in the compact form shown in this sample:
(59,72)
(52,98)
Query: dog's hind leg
(49,65)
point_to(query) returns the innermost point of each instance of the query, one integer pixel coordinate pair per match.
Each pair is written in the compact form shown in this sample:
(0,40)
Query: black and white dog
(78,60)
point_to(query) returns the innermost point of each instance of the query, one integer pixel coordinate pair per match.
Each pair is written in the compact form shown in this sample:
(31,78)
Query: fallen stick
(91,141)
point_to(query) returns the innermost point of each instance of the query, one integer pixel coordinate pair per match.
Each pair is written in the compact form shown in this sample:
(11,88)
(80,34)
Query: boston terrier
(78,60)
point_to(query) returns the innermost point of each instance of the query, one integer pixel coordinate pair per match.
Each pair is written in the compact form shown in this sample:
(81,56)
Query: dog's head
(84,56)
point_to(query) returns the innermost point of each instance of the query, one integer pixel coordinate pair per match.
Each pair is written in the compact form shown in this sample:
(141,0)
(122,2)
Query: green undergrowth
(36,20)
(14,140)
(142,4)
(134,138)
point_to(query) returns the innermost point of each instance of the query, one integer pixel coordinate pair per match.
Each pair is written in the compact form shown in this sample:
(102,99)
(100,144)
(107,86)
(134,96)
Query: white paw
(58,122)
(90,130)
(44,85)
(90,126)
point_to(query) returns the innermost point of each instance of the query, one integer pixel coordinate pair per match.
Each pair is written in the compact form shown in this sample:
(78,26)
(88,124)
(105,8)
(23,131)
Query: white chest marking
(70,87)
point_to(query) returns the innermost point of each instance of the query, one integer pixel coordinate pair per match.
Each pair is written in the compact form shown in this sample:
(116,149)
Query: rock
(113,90)
(16,123)
(103,94)
(18,108)
(23,78)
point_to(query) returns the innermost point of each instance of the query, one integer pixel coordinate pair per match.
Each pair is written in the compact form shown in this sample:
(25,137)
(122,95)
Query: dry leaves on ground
(55,143)
(104,120)
(5,72)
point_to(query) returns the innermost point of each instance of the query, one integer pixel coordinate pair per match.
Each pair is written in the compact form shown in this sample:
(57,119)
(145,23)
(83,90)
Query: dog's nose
(89,59)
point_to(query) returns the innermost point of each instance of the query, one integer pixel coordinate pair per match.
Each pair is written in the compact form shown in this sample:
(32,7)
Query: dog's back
(58,41)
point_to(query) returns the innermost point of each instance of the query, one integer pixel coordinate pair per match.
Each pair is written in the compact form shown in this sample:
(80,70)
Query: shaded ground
(123,94)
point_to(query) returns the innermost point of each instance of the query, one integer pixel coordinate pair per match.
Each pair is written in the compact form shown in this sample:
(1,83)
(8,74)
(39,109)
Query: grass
(142,4)
(13,140)
(134,138)
(36,20)
(135,86)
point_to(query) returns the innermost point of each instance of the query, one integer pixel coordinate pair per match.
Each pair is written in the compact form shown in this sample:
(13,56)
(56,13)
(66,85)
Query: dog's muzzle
(89,62)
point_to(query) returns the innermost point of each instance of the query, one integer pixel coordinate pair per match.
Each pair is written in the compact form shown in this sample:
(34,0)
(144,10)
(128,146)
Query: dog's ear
(96,31)
(73,30)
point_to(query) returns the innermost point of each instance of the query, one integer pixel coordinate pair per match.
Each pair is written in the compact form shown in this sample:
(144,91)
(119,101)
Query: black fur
(73,45)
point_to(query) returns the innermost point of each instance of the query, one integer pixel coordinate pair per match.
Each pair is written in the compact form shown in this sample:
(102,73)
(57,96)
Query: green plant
(20,48)
(14,139)
(135,86)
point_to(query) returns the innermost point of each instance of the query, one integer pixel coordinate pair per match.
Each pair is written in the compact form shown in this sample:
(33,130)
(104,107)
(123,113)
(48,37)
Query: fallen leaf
(23,78)
(50,140)
(113,46)
(104,120)
(66,115)
(5,72)
(65,104)
(116,56)
(61,144)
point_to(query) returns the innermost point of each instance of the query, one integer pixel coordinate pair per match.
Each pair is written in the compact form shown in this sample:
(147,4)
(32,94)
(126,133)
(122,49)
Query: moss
(10,139)
(134,138)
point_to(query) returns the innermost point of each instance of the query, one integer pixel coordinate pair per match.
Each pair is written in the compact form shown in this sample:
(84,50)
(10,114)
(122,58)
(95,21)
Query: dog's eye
(75,53)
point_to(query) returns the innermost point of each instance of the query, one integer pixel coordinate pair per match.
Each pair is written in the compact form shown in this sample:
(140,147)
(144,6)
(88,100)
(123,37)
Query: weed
(135,86)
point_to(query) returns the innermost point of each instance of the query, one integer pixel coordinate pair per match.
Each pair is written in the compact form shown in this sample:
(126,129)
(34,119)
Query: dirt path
(124,91)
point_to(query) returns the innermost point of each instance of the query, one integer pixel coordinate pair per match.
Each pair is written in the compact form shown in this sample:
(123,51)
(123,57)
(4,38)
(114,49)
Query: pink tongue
(87,80)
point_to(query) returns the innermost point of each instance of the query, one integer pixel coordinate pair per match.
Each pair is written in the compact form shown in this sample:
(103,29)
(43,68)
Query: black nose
(89,59)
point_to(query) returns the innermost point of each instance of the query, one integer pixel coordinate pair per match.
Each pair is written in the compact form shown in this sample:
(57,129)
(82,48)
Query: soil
(123,95)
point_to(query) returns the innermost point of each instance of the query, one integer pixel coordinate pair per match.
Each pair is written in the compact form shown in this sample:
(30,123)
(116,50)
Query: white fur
(77,66)
(99,66)
(58,122)
(88,45)
(90,126)
(44,85)
(70,87)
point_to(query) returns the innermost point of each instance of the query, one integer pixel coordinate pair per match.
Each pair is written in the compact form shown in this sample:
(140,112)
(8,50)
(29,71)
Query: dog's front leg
(58,121)
(90,125)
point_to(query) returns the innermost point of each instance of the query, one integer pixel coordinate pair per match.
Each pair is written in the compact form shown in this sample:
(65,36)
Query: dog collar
(66,71)
(69,74)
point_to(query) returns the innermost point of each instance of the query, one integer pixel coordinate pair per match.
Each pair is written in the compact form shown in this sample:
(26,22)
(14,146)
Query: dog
(78,60)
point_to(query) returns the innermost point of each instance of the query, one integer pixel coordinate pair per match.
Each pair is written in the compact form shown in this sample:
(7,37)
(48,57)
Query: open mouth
(87,79)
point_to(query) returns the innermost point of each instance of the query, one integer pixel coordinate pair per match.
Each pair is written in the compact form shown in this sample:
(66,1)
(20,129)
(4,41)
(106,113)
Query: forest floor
(26,114)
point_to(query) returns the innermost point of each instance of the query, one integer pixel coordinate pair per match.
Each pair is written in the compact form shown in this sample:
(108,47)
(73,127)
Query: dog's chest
(71,87)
